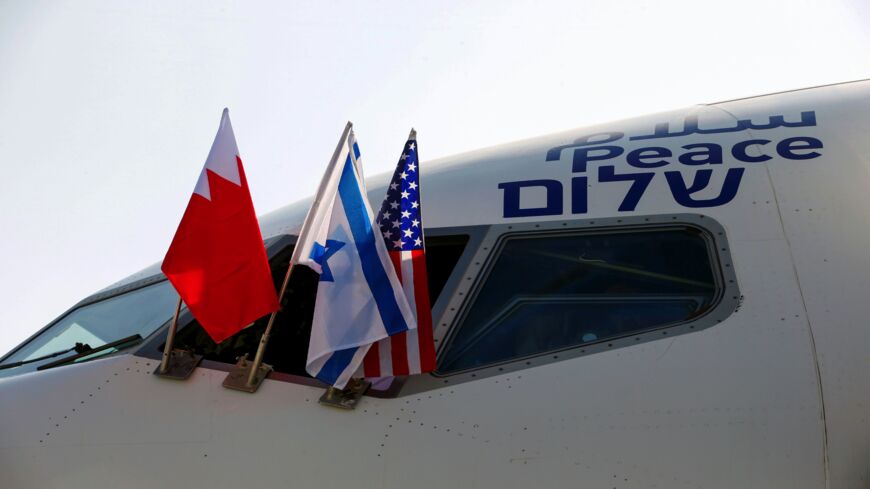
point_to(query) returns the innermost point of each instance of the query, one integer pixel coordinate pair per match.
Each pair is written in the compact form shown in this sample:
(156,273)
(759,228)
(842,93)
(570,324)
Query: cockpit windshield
(139,311)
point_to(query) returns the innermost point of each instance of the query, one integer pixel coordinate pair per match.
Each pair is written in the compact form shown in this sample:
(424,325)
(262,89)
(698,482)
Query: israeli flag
(360,300)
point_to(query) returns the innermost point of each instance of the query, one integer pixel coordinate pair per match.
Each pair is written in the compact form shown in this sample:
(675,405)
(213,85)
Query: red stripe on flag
(372,362)
(396,258)
(399,341)
(425,335)
(399,345)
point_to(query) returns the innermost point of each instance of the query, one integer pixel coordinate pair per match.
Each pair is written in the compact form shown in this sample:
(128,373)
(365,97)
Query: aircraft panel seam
(816,365)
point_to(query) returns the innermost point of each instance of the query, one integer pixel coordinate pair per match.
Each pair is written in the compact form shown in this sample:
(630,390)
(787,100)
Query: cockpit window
(550,292)
(288,346)
(140,311)
(442,254)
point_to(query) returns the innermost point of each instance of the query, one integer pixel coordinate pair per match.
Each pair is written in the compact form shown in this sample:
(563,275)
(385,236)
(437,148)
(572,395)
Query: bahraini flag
(217,261)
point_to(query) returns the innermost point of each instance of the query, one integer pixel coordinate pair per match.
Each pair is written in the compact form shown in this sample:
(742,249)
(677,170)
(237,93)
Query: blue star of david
(320,254)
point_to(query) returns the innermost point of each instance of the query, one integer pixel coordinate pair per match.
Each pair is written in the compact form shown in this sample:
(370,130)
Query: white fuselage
(772,391)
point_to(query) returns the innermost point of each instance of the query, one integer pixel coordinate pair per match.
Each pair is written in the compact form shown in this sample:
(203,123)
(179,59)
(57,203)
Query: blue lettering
(583,155)
(579,195)
(512,198)
(640,181)
(739,151)
(683,194)
(636,158)
(711,154)
(601,147)
(787,147)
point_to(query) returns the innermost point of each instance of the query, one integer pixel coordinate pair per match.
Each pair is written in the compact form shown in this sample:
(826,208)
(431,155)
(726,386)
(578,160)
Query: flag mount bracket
(238,378)
(346,398)
(180,365)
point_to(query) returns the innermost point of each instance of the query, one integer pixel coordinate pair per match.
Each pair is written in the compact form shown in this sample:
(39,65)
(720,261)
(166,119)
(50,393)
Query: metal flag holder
(346,398)
(176,363)
(248,376)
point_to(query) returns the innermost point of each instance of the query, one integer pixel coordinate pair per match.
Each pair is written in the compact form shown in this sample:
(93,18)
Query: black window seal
(476,235)
(273,244)
(150,348)
(452,314)
(90,300)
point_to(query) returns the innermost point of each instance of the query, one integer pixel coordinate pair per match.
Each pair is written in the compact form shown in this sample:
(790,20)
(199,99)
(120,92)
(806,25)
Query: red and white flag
(401,225)
(217,261)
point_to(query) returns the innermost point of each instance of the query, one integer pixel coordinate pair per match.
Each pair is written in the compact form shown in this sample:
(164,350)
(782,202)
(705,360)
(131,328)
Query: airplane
(671,301)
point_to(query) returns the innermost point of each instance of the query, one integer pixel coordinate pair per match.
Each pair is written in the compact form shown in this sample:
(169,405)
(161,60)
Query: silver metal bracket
(181,364)
(346,398)
(238,378)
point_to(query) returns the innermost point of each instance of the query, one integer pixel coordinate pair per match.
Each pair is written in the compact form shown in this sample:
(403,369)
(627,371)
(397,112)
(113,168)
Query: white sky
(108,108)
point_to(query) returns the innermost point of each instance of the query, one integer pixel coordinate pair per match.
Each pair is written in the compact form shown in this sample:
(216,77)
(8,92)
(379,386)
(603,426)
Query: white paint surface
(109,108)
(739,404)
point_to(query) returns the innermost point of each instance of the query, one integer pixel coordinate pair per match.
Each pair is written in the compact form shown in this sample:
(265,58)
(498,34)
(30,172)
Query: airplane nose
(29,403)
(47,413)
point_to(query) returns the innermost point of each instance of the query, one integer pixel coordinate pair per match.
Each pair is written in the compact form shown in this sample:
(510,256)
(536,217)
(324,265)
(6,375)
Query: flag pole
(176,364)
(252,382)
(170,339)
(255,372)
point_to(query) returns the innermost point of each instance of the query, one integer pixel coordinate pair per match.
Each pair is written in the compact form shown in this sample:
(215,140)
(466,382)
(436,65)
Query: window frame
(150,348)
(93,299)
(470,274)
(451,315)
(158,336)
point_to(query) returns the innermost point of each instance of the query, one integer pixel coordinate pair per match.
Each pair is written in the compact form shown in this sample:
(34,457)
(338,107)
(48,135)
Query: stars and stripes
(401,225)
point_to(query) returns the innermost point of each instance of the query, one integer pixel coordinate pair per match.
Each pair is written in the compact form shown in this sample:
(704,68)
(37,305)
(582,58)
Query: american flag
(401,223)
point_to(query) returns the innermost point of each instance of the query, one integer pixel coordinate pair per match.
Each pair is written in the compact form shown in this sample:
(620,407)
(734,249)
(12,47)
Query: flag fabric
(359,298)
(401,224)
(217,261)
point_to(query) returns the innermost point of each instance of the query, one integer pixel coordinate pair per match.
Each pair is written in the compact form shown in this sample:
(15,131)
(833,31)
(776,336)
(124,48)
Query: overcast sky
(108,108)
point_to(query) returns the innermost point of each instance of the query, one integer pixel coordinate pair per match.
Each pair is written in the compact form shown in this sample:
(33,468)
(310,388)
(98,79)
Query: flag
(217,261)
(401,225)
(359,298)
